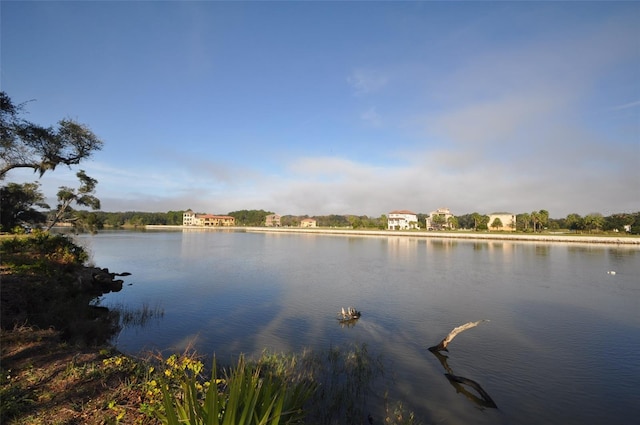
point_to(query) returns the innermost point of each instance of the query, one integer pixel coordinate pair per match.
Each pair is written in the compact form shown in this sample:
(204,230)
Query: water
(562,344)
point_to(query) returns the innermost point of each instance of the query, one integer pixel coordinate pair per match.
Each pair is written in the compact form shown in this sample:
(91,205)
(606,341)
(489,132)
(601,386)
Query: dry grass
(46,381)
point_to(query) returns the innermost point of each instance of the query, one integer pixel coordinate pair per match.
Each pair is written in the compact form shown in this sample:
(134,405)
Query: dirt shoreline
(629,241)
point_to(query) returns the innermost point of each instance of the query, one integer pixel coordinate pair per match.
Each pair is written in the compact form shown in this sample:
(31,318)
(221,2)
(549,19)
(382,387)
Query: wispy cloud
(630,105)
(366,81)
(372,117)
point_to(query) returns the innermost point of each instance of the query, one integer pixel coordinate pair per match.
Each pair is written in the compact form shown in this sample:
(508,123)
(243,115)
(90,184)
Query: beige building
(308,222)
(402,220)
(439,219)
(507,221)
(189,218)
(272,220)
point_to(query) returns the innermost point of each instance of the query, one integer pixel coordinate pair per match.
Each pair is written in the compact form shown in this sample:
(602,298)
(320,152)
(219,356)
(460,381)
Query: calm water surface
(562,345)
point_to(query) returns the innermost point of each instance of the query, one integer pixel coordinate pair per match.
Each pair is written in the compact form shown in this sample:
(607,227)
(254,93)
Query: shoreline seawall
(514,237)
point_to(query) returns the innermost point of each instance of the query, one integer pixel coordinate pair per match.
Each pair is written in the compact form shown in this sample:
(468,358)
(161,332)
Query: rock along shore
(516,237)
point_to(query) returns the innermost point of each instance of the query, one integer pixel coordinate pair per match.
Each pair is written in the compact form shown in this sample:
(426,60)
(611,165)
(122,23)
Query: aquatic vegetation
(241,395)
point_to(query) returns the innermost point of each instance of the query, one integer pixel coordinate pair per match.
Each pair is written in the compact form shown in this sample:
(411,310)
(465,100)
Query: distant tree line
(250,217)
(19,204)
(538,221)
(336,220)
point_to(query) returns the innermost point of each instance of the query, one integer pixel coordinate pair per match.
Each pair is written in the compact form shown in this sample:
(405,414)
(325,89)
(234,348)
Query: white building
(188,218)
(402,220)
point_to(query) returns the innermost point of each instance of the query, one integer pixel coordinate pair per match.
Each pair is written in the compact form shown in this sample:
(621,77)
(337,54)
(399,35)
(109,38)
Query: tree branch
(445,342)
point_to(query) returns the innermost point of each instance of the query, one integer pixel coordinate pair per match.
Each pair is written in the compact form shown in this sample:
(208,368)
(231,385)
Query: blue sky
(338,107)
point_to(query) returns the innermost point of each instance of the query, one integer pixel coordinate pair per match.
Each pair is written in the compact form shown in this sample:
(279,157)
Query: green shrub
(43,252)
(244,396)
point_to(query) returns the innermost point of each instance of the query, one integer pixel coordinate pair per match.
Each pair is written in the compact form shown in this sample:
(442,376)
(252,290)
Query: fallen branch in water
(442,346)
(458,381)
(485,400)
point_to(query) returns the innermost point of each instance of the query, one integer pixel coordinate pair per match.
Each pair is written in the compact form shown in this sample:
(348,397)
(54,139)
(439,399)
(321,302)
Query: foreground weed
(398,415)
(243,395)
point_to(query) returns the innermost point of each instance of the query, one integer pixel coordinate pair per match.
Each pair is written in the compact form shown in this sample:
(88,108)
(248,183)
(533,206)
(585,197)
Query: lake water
(562,344)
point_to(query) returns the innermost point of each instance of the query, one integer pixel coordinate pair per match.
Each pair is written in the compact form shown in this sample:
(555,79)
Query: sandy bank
(545,238)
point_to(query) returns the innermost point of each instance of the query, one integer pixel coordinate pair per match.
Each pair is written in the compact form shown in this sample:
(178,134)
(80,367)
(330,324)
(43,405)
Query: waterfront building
(439,219)
(272,220)
(308,222)
(189,218)
(402,220)
(507,221)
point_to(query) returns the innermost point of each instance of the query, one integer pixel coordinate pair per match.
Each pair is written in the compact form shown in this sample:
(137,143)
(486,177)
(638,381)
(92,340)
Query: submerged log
(442,346)
(485,400)
(443,361)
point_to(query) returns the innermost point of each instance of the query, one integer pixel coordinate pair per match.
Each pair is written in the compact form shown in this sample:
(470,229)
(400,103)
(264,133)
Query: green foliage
(84,196)
(539,219)
(438,221)
(17,205)
(174,218)
(474,221)
(43,251)
(335,220)
(250,217)
(593,222)
(41,289)
(245,395)
(28,145)
(135,219)
(635,224)
(111,219)
(291,220)
(332,386)
(87,221)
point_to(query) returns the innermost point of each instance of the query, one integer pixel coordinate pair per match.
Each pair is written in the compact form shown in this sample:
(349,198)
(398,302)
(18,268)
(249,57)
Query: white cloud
(496,121)
(366,81)
(629,105)
(371,117)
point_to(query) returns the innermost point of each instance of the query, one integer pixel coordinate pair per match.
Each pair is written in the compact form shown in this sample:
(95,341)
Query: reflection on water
(561,347)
